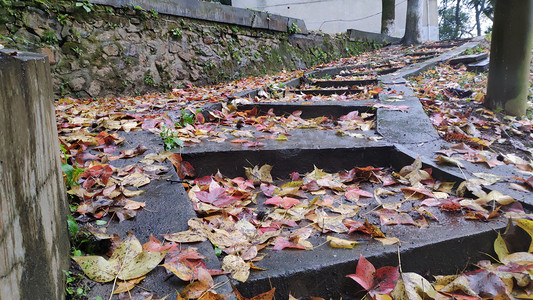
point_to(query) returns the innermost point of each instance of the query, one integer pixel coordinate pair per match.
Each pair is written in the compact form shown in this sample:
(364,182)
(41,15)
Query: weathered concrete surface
(33,232)
(213,12)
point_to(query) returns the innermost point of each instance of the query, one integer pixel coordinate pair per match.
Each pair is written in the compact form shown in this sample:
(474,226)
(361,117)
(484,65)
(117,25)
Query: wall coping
(363,36)
(215,12)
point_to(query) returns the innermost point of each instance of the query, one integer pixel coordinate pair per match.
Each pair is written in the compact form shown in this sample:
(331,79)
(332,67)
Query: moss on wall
(98,51)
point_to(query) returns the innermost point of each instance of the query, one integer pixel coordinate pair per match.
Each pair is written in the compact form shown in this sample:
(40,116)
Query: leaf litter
(299,212)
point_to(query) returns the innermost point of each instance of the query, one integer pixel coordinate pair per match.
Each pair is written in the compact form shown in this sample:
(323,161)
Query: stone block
(110,49)
(34,241)
(94,88)
(77,84)
(363,36)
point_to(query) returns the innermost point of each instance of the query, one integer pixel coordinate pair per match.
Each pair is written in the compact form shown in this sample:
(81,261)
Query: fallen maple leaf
(183,168)
(259,175)
(127,262)
(376,282)
(340,243)
(239,269)
(264,296)
(412,286)
(285,202)
(392,217)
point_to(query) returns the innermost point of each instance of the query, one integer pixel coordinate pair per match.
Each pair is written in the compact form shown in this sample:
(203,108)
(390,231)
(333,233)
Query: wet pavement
(402,132)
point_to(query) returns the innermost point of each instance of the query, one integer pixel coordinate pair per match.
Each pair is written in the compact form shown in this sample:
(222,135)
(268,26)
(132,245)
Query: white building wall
(335,16)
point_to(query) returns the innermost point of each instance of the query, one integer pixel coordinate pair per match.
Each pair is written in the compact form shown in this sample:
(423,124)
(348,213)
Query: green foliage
(210,65)
(449,28)
(73,290)
(293,29)
(71,173)
(61,18)
(187,117)
(170,140)
(86,5)
(149,80)
(72,226)
(470,51)
(77,50)
(49,37)
(176,32)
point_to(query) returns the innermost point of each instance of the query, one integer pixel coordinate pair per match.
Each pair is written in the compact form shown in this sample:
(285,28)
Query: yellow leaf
(340,243)
(527,225)
(479,97)
(124,286)
(500,247)
(292,184)
(136,179)
(129,194)
(97,268)
(180,270)
(133,205)
(459,284)
(412,286)
(520,258)
(259,175)
(388,240)
(127,262)
(188,236)
(281,137)
(239,269)
(141,264)
(500,198)
(443,160)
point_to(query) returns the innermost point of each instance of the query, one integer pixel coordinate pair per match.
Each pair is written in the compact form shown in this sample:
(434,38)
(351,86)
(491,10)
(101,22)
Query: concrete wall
(334,16)
(34,243)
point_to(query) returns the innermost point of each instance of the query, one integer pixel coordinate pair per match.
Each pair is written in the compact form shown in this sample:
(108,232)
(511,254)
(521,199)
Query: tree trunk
(478,18)
(388,16)
(413,26)
(457,19)
(510,57)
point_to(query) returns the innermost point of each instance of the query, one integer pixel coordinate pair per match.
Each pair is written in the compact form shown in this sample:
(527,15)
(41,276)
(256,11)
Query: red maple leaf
(376,282)
(216,196)
(285,202)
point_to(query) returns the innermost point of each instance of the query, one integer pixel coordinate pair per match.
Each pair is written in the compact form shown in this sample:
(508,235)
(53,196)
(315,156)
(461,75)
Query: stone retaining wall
(97,51)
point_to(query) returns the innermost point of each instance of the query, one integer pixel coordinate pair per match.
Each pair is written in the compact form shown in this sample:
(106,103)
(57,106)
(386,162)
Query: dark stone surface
(467,59)
(481,66)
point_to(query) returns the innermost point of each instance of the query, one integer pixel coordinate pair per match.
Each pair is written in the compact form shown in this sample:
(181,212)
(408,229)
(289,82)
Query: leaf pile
(242,216)
(249,127)
(509,278)
(453,99)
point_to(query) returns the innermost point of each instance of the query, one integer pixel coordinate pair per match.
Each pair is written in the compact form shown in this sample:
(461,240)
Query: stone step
(467,59)
(478,67)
